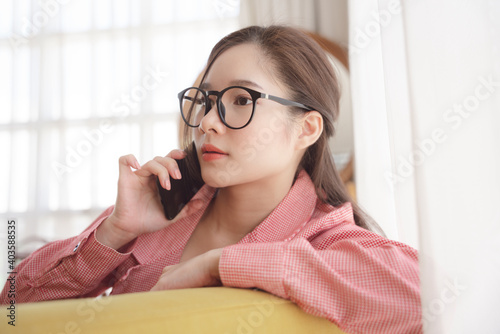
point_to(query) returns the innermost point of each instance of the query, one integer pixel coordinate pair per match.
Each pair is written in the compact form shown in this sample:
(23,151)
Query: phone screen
(181,191)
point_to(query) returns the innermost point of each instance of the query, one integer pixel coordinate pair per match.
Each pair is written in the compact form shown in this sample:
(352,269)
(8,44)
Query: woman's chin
(216,179)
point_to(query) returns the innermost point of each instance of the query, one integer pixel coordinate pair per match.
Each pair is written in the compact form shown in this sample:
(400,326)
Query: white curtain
(426,99)
(382,118)
(83,82)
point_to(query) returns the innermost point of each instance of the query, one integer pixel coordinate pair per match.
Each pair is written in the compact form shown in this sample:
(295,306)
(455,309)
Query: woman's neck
(237,210)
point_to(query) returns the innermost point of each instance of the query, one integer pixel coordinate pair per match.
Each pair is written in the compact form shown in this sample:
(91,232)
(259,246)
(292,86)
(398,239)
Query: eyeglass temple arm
(285,101)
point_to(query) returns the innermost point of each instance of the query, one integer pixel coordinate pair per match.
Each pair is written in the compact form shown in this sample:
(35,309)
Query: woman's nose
(211,122)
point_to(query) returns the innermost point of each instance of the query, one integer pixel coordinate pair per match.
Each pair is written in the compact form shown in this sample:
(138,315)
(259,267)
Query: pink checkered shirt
(306,251)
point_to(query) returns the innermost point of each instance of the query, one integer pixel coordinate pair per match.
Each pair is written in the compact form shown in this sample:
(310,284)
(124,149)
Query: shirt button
(76,247)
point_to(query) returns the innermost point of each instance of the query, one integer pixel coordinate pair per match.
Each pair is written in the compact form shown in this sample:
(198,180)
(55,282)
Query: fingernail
(166,183)
(178,174)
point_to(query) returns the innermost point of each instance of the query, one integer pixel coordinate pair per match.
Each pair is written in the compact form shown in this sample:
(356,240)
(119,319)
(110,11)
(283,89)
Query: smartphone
(181,191)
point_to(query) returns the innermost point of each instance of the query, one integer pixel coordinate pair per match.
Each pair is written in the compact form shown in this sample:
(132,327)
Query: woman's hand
(200,271)
(138,207)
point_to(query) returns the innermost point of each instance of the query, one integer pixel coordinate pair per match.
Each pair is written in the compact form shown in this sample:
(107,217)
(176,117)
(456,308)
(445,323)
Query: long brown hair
(303,67)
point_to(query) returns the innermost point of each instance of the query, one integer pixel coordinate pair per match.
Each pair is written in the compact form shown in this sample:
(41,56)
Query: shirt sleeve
(76,267)
(362,282)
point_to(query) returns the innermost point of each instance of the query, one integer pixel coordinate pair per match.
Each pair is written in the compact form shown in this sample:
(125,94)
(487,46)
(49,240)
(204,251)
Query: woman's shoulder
(335,224)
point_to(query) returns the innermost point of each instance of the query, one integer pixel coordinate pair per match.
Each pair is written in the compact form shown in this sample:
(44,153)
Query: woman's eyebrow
(238,82)
(245,83)
(205,86)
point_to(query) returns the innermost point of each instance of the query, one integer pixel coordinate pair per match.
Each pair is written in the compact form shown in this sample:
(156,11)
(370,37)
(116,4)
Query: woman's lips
(212,156)
(210,152)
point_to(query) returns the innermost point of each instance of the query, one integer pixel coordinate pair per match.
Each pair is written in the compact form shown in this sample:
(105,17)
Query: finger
(162,283)
(192,207)
(153,167)
(177,154)
(171,165)
(157,287)
(168,268)
(127,161)
(160,166)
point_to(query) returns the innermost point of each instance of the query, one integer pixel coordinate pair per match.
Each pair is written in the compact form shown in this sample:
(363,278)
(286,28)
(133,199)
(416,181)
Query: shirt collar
(284,222)
(290,216)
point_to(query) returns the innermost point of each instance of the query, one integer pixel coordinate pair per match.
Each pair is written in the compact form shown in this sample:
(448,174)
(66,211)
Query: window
(84,82)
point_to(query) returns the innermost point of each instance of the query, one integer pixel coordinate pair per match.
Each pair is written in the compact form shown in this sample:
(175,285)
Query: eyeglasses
(235,104)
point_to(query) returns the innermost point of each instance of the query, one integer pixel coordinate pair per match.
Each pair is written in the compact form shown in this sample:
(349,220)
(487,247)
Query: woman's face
(265,149)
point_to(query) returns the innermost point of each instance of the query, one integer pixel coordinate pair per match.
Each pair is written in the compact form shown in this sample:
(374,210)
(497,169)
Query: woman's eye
(193,100)
(242,101)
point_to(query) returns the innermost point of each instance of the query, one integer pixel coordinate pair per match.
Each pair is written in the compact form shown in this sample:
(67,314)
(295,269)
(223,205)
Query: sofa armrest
(203,310)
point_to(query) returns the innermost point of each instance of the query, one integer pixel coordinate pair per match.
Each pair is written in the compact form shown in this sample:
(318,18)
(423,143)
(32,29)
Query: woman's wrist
(110,236)
(215,255)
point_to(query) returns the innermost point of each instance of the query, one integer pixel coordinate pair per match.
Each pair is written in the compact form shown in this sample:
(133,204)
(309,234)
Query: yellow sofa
(218,310)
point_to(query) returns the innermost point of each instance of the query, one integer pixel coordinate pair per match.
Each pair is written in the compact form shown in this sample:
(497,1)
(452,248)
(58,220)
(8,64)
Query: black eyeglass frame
(221,110)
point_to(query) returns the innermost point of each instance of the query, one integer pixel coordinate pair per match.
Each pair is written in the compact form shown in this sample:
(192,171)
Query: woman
(271,215)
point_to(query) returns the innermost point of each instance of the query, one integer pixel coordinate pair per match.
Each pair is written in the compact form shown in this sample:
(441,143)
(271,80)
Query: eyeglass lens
(235,109)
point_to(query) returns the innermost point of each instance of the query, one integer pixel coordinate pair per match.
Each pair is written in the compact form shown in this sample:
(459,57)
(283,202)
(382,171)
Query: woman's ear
(311,127)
